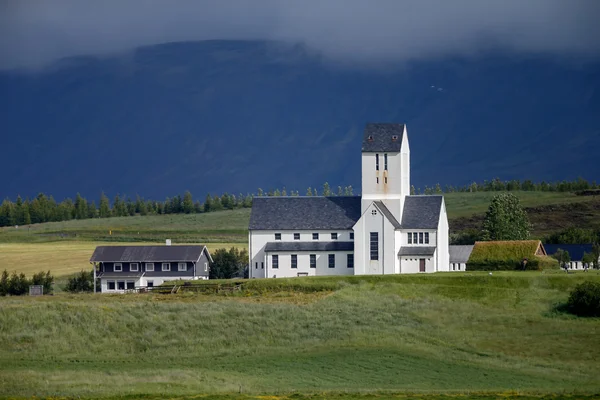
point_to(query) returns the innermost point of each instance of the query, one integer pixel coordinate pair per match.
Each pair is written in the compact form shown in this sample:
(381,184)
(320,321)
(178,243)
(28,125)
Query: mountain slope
(233,116)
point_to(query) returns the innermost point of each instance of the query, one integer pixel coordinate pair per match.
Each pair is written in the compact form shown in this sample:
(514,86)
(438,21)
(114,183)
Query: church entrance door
(422,265)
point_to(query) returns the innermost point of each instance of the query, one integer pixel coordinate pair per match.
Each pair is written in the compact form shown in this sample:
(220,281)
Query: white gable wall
(374,222)
(443,253)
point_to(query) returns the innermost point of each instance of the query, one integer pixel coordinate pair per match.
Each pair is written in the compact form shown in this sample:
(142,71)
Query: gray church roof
(421,212)
(380,138)
(147,253)
(416,251)
(310,212)
(309,246)
(388,214)
(460,254)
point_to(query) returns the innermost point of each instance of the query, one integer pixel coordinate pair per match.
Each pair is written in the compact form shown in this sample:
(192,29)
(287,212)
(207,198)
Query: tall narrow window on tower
(374,246)
(385,161)
(376,162)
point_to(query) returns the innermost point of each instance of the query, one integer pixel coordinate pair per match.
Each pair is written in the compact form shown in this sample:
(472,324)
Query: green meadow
(471,335)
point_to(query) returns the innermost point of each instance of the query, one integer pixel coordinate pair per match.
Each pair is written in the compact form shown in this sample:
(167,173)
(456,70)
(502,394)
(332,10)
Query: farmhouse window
(134,267)
(121,285)
(315,236)
(118,267)
(377,163)
(374,246)
(149,267)
(278,236)
(110,285)
(385,164)
(294,261)
(262,265)
(256,265)
(409,237)
(313,261)
(166,266)
(296,236)
(205,267)
(275,261)
(181,266)
(334,236)
(426,237)
(350,260)
(130,285)
(150,283)
(332,261)
(420,237)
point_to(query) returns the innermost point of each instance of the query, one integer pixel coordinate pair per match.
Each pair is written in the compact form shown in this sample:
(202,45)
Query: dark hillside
(225,116)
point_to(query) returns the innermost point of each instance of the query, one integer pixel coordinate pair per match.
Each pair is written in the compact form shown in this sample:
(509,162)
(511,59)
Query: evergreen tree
(412,190)
(198,207)
(208,203)
(81,209)
(309,192)
(26,216)
(505,219)
(326,189)
(438,189)
(92,211)
(104,206)
(260,192)
(216,204)
(340,192)
(283,192)
(277,193)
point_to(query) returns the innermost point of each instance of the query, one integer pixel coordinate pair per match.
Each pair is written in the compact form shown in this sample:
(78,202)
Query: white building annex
(384,231)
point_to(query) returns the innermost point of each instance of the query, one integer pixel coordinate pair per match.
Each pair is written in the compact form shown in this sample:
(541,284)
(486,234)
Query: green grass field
(342,337)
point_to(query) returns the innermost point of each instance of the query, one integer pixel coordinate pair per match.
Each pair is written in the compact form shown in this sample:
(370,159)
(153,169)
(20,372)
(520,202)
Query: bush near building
(584,300)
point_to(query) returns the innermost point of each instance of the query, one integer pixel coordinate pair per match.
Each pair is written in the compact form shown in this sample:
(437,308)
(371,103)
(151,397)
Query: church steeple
(385,166)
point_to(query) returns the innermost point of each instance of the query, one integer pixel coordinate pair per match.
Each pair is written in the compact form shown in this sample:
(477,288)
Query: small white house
(384,231)
(459,255)
(122,268)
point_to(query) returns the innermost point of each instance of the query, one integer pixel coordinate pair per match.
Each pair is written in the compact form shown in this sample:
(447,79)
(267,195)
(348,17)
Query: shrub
(82,282)
(584,300)
(44,279)
(17,285)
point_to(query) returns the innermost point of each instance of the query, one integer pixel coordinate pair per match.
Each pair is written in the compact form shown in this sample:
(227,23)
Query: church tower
(385,167)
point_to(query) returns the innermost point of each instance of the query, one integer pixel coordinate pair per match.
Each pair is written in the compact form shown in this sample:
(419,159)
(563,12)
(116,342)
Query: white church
(384,231)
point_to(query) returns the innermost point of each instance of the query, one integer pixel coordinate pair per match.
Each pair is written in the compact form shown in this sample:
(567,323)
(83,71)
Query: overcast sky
(34,33)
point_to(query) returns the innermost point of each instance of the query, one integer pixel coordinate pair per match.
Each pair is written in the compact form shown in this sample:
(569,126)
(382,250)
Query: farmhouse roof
(421,212)
(148,253)
(382,138)
(416,251)
(304,212)
(575,250)
(388,214)
(273,247)
(460,254)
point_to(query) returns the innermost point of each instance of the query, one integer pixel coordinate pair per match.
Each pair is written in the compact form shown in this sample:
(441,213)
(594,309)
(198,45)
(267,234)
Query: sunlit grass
(441,333)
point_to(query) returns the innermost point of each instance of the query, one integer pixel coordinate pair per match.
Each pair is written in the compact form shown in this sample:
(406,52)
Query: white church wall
(374,221)
(303,268)
(411,264)
(443,252)
(259,239)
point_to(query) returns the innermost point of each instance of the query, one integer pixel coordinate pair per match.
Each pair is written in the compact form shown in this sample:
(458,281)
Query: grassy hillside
(548,211)
(444,333)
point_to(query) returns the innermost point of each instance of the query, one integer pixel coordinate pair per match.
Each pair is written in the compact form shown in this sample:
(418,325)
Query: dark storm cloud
(35,32)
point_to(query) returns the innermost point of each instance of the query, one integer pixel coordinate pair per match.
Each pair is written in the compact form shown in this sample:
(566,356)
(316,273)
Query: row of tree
(44,208)
(18,284)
